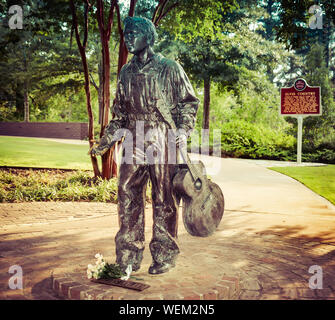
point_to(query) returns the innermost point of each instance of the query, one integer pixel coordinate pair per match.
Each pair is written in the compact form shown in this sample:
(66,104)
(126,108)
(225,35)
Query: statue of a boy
(146,84)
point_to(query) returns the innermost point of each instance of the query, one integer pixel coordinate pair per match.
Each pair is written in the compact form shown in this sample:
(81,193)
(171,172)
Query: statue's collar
(155,57)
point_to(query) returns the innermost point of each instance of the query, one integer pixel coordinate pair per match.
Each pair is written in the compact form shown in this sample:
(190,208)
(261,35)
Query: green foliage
(319,131)
(46,185)
(68,107)
(293,18)
(250,125)
(322,155)
(247,140)
(7,112)
(111,271)
(201,18)
(236,57)
(317,74)
(42,61)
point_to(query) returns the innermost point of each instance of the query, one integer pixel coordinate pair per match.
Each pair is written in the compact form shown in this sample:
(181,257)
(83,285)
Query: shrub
(320,155)
(54,185)
(254,140)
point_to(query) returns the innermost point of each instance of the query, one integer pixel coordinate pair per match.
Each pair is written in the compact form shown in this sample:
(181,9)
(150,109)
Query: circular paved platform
(200,273)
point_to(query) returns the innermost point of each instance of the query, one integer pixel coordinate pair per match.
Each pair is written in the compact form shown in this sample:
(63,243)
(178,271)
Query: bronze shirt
(141,89)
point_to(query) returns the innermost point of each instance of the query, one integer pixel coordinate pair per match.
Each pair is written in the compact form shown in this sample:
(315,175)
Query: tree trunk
(107,170)
(100,91)
(123,54)
(26,91)
(207,93)
(89,111)
(82,51)
(26,101)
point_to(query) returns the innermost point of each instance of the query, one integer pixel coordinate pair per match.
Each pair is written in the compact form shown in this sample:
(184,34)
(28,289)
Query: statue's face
(135,40)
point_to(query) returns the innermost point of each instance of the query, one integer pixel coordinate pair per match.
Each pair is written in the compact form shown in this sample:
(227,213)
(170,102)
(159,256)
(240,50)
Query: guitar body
(202,207)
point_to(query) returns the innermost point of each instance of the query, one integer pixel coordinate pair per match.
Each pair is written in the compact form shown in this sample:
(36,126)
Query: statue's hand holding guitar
(181,139)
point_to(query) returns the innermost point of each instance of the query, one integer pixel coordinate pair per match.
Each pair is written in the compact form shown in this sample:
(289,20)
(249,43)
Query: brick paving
(54,255)
(262,249)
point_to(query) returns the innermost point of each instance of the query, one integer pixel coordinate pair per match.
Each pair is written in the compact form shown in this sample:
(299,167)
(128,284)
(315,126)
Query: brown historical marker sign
(300,99)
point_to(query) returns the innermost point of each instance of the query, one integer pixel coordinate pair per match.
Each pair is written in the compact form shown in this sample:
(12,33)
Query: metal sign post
(299,139)
(300,101)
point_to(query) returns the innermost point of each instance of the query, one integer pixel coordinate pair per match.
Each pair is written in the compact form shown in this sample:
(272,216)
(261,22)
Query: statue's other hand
(99,149)
(95,151)
(107,141)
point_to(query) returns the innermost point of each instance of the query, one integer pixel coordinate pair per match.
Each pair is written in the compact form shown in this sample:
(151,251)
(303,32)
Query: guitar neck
(168,118)
(190,165)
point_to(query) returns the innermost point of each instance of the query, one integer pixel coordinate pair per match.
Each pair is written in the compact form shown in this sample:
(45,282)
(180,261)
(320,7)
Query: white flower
(99,256)
(89,273)
(128,272)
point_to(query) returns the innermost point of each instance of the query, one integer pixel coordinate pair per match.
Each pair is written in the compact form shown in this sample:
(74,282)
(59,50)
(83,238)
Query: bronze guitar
(203,201)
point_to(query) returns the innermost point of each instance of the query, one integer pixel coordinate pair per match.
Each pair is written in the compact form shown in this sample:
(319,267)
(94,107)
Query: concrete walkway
(273,230)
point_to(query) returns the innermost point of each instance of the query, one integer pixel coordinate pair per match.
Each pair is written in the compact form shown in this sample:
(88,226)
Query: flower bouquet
(105,270)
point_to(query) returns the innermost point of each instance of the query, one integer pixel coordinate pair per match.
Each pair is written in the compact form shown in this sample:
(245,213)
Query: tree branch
(119,21)
(71,36)
(161,6)
(75,24)
(93,82)
(162,15)
(87,8)
(132,8)
(155,12)
(110,17)
(100,16)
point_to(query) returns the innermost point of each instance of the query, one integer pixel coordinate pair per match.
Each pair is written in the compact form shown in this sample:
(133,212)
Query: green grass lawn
(319,179)
(40,153)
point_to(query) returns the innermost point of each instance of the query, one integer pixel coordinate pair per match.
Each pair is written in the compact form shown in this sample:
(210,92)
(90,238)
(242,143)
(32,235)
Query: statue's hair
(144,24)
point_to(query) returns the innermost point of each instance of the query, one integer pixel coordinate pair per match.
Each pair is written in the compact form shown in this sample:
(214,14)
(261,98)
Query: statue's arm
(185,99)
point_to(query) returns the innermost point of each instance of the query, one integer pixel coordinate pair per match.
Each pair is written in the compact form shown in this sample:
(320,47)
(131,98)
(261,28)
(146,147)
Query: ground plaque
(123,284)
(300,101)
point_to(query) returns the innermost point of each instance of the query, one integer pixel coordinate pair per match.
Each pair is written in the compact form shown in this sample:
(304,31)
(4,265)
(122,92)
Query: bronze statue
(152,92)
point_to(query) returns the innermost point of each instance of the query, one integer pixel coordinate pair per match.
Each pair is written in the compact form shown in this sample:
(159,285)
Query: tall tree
(35,61)
(231,58)
(317,129)
(82,50)
(105,28)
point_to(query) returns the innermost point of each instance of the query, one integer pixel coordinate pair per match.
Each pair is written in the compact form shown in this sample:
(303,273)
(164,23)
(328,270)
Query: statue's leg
(163,246)
(131,203)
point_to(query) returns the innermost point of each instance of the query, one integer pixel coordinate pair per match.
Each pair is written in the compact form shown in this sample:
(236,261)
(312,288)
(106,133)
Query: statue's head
(138,33)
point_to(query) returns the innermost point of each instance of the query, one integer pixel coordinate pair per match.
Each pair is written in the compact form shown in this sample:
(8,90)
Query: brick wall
(61,130)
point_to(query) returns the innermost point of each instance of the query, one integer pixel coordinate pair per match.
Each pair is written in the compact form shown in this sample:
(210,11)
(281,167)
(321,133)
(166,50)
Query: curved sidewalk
(273,230)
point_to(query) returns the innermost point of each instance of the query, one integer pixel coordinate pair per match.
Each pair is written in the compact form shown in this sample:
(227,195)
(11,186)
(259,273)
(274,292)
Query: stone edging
(70,286)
